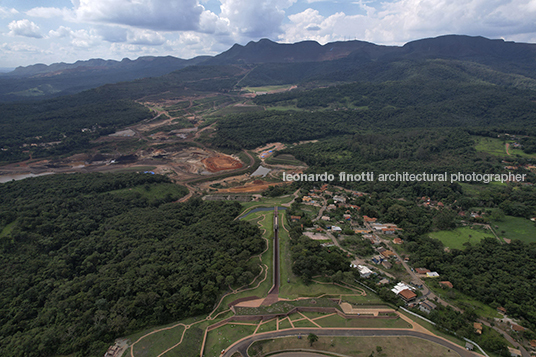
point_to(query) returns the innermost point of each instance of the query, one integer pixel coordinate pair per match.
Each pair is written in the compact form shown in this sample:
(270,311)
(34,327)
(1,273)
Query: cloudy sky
(48,31)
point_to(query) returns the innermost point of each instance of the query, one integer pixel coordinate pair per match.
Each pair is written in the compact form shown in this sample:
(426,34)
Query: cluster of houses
(427,202)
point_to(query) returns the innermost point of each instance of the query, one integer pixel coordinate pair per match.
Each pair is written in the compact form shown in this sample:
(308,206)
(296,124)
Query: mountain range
(275,63)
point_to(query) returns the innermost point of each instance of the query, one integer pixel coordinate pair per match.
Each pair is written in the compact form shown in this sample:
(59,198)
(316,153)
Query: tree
(312,338)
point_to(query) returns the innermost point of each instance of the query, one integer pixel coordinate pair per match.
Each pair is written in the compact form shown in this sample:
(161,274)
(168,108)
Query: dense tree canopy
(87,258)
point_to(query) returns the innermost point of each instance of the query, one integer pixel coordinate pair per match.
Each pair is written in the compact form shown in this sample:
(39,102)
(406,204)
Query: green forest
(88,257)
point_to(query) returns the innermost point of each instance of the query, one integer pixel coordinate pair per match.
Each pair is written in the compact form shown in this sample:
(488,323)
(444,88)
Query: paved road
(242,345)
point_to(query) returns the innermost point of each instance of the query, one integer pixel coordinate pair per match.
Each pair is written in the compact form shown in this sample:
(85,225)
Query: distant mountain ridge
(278,63)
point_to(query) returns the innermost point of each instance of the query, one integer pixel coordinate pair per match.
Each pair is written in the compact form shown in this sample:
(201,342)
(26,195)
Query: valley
(155,213)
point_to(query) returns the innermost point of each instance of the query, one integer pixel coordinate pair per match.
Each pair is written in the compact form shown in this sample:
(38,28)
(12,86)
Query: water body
(260,209)
(261,171)
(7,178)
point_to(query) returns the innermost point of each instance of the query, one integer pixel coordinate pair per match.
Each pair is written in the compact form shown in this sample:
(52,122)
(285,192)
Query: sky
(50,31)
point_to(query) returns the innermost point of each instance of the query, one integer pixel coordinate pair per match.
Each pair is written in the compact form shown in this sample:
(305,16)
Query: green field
(516,228)
(157,343)
(265,88)
(266,202)
(456,238)
(224,336)
(497,147)
(7,229)
(354,346)
(491,146)
(284,159)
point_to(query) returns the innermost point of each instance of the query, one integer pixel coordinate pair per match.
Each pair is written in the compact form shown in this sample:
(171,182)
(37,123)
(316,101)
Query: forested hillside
(87,258)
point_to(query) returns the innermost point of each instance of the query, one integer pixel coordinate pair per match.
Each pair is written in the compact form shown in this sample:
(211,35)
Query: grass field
(284,159)
(7,229)
(516,228)
(224,336)
(497,147)
(355,346)
(456,238)
(266,202)
(265,88)
(154,345)
(491,146)
(337,321)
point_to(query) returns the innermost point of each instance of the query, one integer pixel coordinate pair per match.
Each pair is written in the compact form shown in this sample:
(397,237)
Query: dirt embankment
(221,163)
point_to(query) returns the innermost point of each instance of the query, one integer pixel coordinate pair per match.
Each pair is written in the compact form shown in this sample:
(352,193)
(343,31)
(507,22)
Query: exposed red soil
(221,163)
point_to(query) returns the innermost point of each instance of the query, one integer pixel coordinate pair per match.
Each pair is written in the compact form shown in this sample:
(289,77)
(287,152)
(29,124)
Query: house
(387,265)
(362,231)
(339,199)
(336,229)
(295,218)
(532,342)
(377,259)
(446,284)
(387,253)
(364,271)
(347,216)
(432,274)
(404,291)
(478,328)
(427,306)
(517,328)
(325,218)
(422,270)
(502,310)
(369,219)
(469,346)
(407,295)
(386,281)
(397,241)
(388,230)
(307,199)
(331,207)
(513,352)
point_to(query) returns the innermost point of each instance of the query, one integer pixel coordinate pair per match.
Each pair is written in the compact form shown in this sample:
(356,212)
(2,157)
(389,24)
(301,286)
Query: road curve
(242,345)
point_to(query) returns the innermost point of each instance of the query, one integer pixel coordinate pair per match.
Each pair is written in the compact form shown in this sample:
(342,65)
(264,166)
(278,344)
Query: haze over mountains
(274,63)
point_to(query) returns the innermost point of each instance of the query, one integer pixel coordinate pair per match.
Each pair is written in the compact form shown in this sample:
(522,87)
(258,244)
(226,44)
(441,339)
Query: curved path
(242,345)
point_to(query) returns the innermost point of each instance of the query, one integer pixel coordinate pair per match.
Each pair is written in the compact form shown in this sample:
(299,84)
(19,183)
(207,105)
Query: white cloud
(159,15)
(145,37)
(405,20)
(255,19)
(24,28)
(61,32)
(47,12)
(20,47)
(5,12)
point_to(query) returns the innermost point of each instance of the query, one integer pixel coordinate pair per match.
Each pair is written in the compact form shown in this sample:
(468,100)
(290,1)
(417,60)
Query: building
(517,328)
(446,284)
(407,295)
(469,346)
(432,274)
(478,328)
(513,352)
(387,253)
(336,229)
(295,218)
(422,270)
(388,230)
(369,219)
(364,271)
(397,241)
(502,310)
(362,231)
(325,218)
(404,291)
(427,306)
